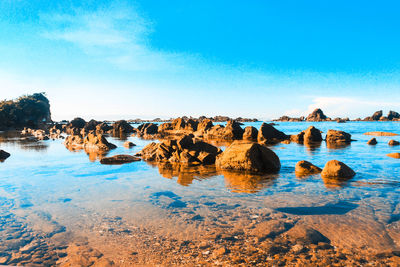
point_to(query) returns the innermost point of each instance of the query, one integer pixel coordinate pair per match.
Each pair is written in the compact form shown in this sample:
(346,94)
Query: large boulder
(119,159)
(377,115)
(4,155)
(204,126)
(312,134)
(77,123)
(91,125)
(250,133)
(334,136)
(73,142)
(393,115)
(316,115)
(122,126)
(186,149)
(233,131)
(268,134)
(337,170)
(103,128)
(304,168)
(248,156)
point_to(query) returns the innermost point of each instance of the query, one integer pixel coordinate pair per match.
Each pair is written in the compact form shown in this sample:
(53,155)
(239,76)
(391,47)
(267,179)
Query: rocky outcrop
(147,129)
(375,117)
(27,111)
(269,135)
(186,149)
(91,126)
(304,168)
(289,119)
(250,133)
(122,126)
(91,142)
(232,131)
(378,116)
(103,128)
(334,136)
(77,123)
(119,159)
(393,143)
(335,169)
(317,115)
(372,142)
(248,156)
(393,115)
(178,126)
(395,155)
(4,155)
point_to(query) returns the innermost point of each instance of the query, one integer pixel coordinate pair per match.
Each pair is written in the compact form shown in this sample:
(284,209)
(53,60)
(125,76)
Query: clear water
(75,191)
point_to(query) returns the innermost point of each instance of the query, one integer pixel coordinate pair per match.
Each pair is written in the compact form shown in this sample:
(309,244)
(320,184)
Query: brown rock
(147,129)
(306,235)
(395,155)
(122,126)
(247,156)
(393,143)
(250,133)
(119,159)
(93,142)
(128,144)
(4,155)
(372,142)
(304,168)
(380,133)
(334,136)
(312,134)
(74,142)
(268,134)
(316,115)
(338,170)
(233,131)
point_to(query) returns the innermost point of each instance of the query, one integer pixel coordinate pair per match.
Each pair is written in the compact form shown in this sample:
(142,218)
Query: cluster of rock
(90,143)
(333,169)
(316,116)
(378,116)
(50,133)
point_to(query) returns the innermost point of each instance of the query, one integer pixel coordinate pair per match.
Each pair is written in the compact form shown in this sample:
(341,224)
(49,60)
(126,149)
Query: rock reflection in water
(331,145)
(240,182)
(335,183)
(92,154)
(26,143)
(185,173)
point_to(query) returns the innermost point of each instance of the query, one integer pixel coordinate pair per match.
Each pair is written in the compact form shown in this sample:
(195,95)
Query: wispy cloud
(117,34)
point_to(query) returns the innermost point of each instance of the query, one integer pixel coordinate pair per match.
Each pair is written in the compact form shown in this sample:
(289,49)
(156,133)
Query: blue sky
(146,58)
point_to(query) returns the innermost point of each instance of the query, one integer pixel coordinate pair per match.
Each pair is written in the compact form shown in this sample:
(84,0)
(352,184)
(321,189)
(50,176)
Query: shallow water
(46,190)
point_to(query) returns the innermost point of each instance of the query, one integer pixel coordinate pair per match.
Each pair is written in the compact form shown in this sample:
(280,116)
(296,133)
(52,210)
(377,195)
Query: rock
(304,168)
(268,134)
(380,133)
(103,128)
(393,143)
(338,170)
(395,155)
(73,142)
(393,115)
(93,142)
(306,235)
(334,136)
(377,115)
(4,155)
(233,131)
(147,129)
(119,159)
(250,133)
(91,125)
(122,126)
(316,115)
(312,134)
(128,144)
(77,123)
(186,149)
(246,156)
(204,126)
(372,142)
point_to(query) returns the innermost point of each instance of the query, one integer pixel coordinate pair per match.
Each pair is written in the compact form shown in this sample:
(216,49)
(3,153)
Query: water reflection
(93,155)
(335,183)
(337,145)
(240,182)
(25,143)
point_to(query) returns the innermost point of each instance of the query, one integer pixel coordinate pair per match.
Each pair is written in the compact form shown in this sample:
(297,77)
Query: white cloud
(344,107)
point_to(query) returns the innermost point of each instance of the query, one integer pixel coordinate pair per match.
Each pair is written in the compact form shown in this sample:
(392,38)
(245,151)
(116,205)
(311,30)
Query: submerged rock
(395,155)
(268,134)
(304,168)
(119,159)
(380,134)
(372,142)
(4,155)
(248,156)
(393,143)
(334,136)
(338,170)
